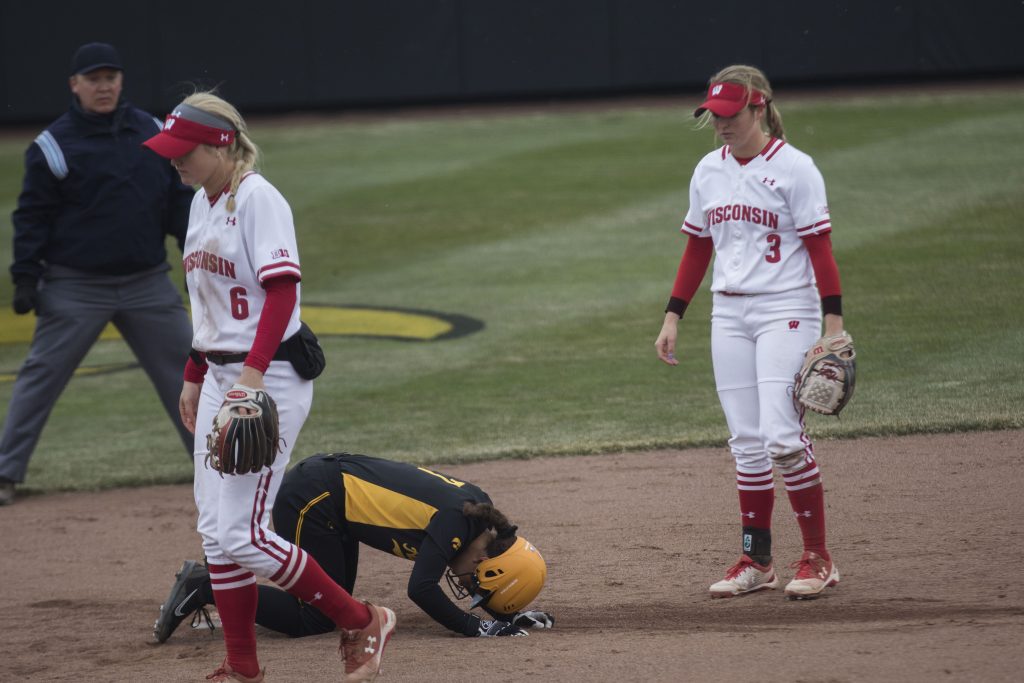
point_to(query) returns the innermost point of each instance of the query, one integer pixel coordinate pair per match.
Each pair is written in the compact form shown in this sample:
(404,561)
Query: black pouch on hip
(305,353)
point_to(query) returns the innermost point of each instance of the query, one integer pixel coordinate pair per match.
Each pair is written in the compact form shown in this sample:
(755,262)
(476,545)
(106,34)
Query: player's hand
(250,378)
(533,619)
(833,325)
(188,404)
(665,345)
(495,628)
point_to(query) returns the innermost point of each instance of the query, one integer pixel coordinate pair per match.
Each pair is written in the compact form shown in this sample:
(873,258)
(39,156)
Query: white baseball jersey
(227,258)
(756,215)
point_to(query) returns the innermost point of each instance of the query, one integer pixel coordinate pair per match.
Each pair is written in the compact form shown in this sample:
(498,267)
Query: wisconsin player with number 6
(330,504)
(242,270)
(758,205)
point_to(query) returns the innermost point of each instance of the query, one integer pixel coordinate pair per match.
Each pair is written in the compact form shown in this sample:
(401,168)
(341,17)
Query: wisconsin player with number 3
(242,269)
(758,204)
(329,504)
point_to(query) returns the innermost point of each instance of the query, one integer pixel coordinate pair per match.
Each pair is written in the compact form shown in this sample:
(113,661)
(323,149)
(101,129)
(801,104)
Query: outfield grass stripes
(560,232)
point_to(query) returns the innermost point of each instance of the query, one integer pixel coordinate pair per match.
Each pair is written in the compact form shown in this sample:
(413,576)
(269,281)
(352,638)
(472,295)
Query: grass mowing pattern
(559,230)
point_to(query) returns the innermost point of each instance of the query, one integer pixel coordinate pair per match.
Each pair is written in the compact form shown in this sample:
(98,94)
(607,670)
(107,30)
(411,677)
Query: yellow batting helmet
(509,582)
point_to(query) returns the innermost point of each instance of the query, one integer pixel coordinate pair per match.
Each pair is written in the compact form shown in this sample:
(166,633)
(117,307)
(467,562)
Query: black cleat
(184,600)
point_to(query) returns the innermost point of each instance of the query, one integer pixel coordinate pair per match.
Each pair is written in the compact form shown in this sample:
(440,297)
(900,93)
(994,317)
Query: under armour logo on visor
(224,137)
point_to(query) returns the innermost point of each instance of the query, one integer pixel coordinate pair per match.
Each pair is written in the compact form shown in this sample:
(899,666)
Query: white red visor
(727,99)
(188,127)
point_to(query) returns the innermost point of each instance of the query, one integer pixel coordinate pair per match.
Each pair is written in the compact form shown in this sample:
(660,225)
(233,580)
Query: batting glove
(533,619)
(494,628)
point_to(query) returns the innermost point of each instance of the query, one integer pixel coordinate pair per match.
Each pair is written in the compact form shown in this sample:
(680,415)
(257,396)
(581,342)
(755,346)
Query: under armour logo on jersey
(794,324)
(231,220)
(769,181)
(715,90)
(317,596)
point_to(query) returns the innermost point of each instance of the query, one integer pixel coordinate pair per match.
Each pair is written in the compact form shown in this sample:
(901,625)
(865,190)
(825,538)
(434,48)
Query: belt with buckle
(218,358)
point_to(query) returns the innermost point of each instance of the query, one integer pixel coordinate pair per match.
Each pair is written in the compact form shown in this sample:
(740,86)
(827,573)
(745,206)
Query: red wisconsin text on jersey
(742,212)
(204,260)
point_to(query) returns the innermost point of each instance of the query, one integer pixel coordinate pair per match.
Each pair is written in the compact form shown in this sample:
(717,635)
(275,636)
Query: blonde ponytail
(773,119)
(243,152)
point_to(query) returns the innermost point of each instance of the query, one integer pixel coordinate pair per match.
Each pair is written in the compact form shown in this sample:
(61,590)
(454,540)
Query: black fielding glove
(26,295)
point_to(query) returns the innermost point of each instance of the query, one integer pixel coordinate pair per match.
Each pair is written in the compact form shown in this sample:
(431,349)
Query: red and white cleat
(814,574)
(746,576)
(361,649)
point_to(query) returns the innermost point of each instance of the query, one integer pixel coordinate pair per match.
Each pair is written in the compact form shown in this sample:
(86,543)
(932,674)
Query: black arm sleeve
(427,594)
(38,206)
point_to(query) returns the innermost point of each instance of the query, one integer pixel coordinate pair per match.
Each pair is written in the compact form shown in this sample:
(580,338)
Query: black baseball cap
(92,56)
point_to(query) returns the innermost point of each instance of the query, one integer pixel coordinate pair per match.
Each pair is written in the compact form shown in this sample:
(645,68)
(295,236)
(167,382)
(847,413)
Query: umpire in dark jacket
(89,234)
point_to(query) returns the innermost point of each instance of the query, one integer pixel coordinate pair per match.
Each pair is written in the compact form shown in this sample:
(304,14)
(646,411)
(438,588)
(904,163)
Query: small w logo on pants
(794,324)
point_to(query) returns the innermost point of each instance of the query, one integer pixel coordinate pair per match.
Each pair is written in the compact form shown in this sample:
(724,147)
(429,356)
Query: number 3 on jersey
(773,255)
(239,304)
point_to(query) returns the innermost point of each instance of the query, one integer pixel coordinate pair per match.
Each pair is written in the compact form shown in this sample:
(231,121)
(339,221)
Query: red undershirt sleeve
(196,367)
(282,294)
(692,268)
(826,272)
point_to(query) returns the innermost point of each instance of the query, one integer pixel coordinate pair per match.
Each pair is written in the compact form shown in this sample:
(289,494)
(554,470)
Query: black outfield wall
(316,54)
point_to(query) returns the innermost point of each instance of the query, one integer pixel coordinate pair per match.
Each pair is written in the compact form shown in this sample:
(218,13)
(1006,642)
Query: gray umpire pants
(73,308)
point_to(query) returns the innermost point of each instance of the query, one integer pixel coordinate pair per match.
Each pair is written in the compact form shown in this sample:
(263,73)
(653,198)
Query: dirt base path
(926,531)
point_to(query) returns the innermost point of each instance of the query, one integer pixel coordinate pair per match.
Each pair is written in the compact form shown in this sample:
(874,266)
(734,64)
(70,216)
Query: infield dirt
(926,531)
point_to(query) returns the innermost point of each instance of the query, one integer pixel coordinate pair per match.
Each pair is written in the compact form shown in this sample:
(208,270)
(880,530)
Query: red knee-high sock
(807,498)
(302,576)
(235,594)
(757,498)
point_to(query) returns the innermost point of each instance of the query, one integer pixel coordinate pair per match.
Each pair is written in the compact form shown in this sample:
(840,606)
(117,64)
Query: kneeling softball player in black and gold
(329,504)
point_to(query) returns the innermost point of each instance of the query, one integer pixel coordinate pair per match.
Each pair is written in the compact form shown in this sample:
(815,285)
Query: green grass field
(559,230)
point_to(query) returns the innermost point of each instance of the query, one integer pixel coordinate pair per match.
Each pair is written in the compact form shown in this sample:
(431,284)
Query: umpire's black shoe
(184,601)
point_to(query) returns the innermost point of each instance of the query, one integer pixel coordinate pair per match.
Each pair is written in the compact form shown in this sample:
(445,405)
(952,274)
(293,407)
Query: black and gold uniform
(329,504)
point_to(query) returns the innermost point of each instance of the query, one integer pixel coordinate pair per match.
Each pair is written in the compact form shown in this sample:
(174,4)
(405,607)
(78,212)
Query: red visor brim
(720,107)
(170,147)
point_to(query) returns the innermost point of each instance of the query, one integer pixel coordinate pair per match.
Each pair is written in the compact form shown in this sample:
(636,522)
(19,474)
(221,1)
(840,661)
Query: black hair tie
(509,532)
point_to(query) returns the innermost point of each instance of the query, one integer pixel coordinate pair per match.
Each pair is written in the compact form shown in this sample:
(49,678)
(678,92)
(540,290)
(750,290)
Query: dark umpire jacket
(94,199)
